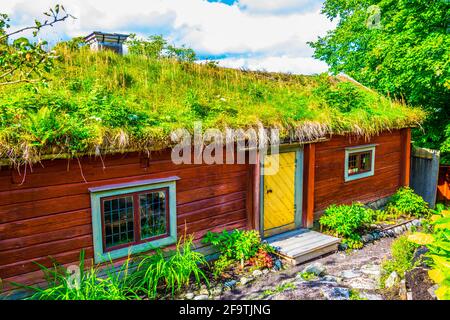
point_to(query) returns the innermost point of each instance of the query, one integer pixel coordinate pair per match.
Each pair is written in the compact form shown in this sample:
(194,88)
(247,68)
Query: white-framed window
(133,217)
(359,162)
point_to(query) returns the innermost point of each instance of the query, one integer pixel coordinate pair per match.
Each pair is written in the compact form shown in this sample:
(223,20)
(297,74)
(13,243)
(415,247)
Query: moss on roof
(106,102)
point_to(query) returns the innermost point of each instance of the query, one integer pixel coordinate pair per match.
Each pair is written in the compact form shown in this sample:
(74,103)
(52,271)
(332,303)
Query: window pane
(118,221)
(352,164)
(152,208)
(365,161)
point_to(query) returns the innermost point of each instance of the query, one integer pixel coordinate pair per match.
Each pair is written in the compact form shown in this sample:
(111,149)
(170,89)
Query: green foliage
(406,202)
(405,55)
(280,288)
(171,271)
(347,221)
(24,61)
(221,265)
(438,243)
(236,245)
(308,276)
(64,284)
(355,295)
(156,47)
(402,251)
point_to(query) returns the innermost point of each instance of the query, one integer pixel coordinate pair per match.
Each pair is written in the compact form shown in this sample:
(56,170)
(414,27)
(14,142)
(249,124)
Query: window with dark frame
(359,162)
(135,218)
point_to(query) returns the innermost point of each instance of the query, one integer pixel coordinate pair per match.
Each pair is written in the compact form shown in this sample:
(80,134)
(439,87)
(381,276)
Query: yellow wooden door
(279,193)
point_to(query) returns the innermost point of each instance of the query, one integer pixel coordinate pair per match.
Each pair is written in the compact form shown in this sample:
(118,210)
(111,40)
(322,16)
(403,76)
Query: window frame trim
(101,254)
(359,149)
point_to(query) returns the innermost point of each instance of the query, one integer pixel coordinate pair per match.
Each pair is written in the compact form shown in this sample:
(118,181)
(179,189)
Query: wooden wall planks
(49,215)
(330,187)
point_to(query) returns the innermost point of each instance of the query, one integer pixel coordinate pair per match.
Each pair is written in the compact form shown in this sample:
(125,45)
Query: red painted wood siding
(330,187)
(49,215)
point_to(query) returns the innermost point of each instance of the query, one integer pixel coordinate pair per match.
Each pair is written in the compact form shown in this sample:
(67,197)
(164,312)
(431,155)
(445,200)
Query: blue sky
(267,35)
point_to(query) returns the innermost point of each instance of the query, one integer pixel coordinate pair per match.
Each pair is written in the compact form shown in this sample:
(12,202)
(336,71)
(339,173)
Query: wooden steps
(302,245)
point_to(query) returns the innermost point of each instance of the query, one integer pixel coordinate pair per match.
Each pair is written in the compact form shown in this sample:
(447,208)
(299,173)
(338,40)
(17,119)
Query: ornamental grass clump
(170,271)
(80,284)
(347,221)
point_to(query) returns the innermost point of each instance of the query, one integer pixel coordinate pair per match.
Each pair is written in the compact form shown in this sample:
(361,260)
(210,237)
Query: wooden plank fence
(424,173)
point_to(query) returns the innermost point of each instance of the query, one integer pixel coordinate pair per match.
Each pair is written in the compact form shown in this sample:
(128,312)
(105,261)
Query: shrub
(262,259)
(236,245)
(345,221)
(62,284)
(402,251)
(406,202)
(170,272)
(438,243)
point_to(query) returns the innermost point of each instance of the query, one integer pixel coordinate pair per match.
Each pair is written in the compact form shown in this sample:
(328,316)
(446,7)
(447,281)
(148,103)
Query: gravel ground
(344,272)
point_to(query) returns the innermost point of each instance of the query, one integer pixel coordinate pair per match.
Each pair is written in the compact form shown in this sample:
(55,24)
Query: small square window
(133,218)
(359,162)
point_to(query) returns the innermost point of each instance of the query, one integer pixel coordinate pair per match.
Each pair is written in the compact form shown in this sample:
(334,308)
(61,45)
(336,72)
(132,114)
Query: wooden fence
(443,193)
(424,173)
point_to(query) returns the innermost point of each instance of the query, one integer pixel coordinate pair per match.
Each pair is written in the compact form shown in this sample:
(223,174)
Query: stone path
(340,275)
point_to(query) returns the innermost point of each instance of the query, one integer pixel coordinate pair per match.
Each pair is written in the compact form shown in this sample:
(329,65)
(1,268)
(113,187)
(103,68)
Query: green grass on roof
(105,102)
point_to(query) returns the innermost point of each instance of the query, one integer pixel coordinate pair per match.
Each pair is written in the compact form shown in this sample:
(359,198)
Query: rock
(391,280)
(390,233)
(398,230)
(408,225)
(370,296)
(371,269)
(342,246)
(245,280)
(265,271)
(217,290)
(363,283)
(277,264)
(189,296)
(316,268)
(230,284)
(257,273)
(204,291)
(336,293)
(382,234)
(409,295)
(402,291)
(330,279)
(419,253)
(432,290)
(416,223)
(350,274)
(201,297)
(367,238)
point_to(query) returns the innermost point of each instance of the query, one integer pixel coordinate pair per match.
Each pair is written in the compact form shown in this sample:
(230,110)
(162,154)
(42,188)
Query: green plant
(171,271)
(402,251)
(346,220)
(406,202)
(235,245)
(220,265)
(280,288)
(438,243)
(355,295)
(262,259)
(308,276)
(64,284)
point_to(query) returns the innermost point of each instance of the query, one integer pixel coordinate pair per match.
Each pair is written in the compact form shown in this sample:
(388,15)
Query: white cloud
(270,34)
(279,6)
(286,64)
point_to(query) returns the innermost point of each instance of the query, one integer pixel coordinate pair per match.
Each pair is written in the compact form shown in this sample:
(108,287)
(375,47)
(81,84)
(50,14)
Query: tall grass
(99,100)
(64,284)
(170,272)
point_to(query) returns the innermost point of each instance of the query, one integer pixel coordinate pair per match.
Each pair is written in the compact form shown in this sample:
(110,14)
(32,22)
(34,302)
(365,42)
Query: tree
(400,48)
(23,60)
(156,47)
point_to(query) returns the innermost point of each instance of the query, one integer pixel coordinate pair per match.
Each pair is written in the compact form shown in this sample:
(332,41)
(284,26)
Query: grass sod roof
(100,102)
